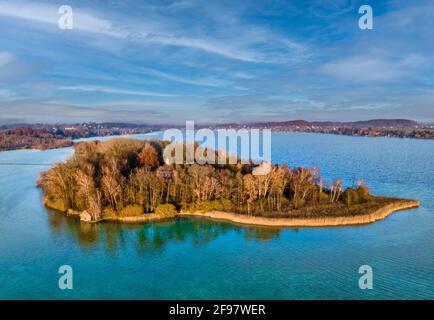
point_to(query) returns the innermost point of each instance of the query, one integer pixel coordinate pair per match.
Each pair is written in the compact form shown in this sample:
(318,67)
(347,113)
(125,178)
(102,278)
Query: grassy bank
(322,216)
(335,220)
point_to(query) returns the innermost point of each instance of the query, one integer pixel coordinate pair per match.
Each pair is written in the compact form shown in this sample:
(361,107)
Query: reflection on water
(151,237)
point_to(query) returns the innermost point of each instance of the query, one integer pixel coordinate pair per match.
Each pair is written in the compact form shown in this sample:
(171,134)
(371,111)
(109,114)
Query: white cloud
(5,59)
(48,14)
(207,82)
(11,67)
(6,94)
(244,45)
(101,89)
(83,21)
(371,68)
(205,45)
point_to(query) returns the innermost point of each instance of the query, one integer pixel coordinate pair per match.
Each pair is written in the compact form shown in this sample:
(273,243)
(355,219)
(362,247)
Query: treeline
(414,133)
(43,136)
(398,128)
(15,141)
(129,177)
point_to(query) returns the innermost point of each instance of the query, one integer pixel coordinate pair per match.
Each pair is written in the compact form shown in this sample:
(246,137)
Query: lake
(196,258)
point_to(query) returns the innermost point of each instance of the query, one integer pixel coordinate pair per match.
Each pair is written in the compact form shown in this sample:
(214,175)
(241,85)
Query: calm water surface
(200,259)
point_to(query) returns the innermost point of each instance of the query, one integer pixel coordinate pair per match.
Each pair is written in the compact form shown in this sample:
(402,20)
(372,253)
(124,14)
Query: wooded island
(128,180)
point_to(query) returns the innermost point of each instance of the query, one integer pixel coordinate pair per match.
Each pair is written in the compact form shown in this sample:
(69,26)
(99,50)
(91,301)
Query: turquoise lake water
(200,259)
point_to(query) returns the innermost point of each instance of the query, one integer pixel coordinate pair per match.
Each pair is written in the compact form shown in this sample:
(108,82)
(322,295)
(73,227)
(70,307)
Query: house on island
(85,216)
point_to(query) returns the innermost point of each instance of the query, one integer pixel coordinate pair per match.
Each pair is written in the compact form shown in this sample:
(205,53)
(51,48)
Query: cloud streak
(89,22)
(100,89)
(5,59)
(372,68)
(48,14)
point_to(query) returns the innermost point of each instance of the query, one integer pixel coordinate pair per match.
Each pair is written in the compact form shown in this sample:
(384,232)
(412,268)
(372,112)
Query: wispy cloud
(220,60)
(6,94)
(208,82)
(5,58)
(203,44)
(100,89)
(48,14)
(372,68)
(165,36)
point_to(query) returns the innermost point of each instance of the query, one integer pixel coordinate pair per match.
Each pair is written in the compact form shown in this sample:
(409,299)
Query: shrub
(226,205)
(215,205)
(351,197)
(211,206)
(130,211)
(57,204)
(166,210)
(324,197)
(363,192)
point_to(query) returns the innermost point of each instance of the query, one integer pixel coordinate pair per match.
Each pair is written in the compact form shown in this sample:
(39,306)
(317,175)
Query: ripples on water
(197,258)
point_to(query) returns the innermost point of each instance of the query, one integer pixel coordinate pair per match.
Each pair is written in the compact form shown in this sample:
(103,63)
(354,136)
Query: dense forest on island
(128,177)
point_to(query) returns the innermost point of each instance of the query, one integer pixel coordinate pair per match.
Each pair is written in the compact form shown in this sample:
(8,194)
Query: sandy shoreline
(308,222)
(151,217)
(379,214)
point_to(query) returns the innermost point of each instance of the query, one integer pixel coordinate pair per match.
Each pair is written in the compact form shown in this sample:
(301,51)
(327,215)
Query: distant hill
(384,123)
(375,123)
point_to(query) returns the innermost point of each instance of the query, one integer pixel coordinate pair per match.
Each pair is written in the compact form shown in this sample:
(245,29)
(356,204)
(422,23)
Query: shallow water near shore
(197,258)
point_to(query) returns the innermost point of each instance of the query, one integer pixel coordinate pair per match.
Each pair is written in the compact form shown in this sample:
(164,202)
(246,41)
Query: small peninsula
(127,180)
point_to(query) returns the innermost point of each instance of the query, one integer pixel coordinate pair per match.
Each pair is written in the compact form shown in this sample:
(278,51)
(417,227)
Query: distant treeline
(49,137)
(397,128)
(129,177)
(28,138)
(46,136)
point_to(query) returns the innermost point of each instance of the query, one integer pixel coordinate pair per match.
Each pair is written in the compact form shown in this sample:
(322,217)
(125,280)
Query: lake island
(128,180)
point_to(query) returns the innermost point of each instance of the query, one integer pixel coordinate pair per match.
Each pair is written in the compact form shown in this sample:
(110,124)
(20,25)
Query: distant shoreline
(74,142)
(42,136)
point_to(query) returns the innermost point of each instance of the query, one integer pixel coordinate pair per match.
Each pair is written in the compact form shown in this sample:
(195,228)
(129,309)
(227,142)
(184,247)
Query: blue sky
(215,61)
